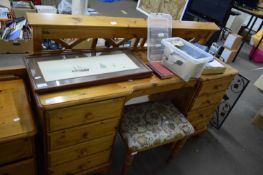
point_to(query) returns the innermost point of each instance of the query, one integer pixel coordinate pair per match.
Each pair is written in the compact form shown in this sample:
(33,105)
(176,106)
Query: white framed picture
(175,8)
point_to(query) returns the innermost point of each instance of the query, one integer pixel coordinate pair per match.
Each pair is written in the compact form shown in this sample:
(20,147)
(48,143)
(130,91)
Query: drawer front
(64,138)
(80,151)
(83,114)
(208,100)
(26,167)
(80,165)
(15,150)
(214,86)
(201,114)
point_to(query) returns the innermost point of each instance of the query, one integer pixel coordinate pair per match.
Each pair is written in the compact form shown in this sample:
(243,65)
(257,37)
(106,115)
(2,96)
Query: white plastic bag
(65,7)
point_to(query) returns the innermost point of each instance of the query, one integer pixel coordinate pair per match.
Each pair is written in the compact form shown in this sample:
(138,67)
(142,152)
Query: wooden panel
(16,118)
(81,150)
(73,21)
(13,70)
(84,27)
(208,100)
(15,150)
(26,167)
(95,32)
(213,86)
(82,114)
(83,164)
(205,113)
(81,134)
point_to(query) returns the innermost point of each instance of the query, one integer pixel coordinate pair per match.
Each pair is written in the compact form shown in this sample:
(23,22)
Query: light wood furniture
(17,129)
(79,125)
(58,27)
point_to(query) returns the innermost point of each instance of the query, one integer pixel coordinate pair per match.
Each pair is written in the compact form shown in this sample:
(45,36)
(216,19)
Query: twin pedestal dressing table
(77,127)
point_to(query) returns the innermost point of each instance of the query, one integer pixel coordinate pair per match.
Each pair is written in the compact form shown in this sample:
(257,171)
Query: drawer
(26,167)
(210,87)
(208,100)
(72,136)
(205,113)
(80,165)
(15,150)
(80,150)
(83,114)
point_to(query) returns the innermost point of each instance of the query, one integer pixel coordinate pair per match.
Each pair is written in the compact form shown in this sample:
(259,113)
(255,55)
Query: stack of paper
(214,67)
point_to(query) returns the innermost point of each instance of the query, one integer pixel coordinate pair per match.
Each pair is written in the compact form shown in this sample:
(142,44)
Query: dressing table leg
(128,162)
(176,147)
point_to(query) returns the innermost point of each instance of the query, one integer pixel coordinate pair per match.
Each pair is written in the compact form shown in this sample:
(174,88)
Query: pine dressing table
(79,125)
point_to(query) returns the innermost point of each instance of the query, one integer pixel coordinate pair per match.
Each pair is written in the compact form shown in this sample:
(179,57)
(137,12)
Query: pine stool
(149,125)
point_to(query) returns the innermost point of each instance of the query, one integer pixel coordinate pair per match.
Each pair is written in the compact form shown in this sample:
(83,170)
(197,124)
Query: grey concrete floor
(235,149)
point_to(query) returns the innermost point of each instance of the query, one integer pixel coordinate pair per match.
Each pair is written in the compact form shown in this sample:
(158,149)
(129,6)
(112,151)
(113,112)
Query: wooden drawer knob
(208,102)
(85,135)
(216,87)
(83,151)
(88,116)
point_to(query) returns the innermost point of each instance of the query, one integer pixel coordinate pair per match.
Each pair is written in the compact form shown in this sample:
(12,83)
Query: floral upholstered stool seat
(149,125)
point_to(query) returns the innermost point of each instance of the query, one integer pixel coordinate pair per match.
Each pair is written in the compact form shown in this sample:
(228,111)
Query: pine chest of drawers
(79,138)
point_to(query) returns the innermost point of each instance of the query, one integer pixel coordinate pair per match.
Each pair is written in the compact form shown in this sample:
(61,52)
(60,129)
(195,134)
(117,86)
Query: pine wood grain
(74,167)
(16,150)
(83,114)
(16,117)
(56,27)
(80,151)
(26,167)
(72,136)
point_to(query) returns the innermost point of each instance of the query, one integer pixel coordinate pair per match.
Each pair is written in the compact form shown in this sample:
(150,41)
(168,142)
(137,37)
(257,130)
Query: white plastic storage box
(159,27)
(184,59)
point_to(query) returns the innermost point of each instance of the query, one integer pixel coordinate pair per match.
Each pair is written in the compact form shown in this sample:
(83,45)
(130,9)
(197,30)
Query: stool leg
(128,162)
(176,147)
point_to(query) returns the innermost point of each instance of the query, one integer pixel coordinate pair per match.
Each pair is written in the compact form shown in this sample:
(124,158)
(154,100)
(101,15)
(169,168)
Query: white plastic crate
(185,60)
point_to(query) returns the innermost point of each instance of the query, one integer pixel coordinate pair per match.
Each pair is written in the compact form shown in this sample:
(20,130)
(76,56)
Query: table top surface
(60,20)
(16,117)
(72,97)
(255,12)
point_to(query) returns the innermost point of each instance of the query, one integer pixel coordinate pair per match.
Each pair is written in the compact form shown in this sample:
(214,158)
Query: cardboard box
(259,83)
(258,119)
(16,47)
(5,3)
(21,12)
(233,42)
(228,55)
